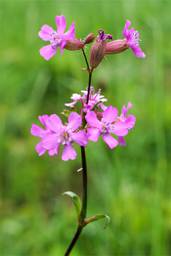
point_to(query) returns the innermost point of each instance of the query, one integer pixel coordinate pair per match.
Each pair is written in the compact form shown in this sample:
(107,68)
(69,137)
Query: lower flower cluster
(86,123)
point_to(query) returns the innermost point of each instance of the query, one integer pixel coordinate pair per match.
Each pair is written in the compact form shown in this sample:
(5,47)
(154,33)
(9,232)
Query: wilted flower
(109,123)
(55,134)
(132,37)
(95,99)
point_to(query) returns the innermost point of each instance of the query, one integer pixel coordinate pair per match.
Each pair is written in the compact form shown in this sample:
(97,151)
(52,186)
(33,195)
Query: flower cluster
(89,117)
(94,120)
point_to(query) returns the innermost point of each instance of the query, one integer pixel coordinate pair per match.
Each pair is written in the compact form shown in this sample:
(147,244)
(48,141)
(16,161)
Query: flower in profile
(55,134)
(109,124)
(132,37)
(96,99)
(57,38)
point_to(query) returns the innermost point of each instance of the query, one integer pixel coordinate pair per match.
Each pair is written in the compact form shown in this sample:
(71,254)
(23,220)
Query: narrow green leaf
(98,217)
(75,199)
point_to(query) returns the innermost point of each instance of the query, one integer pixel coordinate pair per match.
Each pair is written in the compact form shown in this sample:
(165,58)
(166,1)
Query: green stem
(90,76)
(83,212)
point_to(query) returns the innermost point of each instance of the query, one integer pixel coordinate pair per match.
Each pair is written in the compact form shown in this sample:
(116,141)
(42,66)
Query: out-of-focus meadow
(133,184)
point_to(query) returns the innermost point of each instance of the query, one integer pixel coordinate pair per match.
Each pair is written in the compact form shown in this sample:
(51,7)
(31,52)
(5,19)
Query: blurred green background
(132,184)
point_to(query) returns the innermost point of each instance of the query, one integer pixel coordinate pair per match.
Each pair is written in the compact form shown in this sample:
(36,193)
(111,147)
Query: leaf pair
(77,203)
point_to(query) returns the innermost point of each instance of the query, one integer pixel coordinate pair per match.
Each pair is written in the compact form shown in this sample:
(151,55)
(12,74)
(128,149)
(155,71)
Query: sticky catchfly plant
(88,115)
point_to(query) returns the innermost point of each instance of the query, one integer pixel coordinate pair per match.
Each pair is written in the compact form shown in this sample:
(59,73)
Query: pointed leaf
(75,199)
(98,217)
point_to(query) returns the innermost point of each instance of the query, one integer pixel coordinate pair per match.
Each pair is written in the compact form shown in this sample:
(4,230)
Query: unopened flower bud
(73,45)
(89,38)
(97,53)
(116,46)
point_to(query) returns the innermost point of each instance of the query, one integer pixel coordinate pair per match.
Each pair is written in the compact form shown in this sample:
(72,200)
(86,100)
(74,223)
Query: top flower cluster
(102,46)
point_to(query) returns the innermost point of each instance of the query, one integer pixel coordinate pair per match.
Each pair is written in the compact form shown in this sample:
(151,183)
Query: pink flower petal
(40,149)
(92,120)
(60,23)
(130,121)
(80,138)
(53,151)
(93,134)
(68,153)
(121,141)
(138,52)
(37,131)
(43,119)
(110,141)
(74,121)
(62,46)
(110,114)
(47,52)
(126,28)
(70,34)
(120,131)
(46,33)
(54,123)
(50,141)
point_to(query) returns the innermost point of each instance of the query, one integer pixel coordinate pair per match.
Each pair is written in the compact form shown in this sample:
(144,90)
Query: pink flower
(109,123)
(95,99)
(57,39)
(132,36)
(55,134)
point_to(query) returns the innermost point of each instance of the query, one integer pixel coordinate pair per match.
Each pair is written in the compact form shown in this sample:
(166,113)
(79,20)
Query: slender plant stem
(86,60)
(74,240)
(84,180)
(90,76)
(83,212)
(89,86)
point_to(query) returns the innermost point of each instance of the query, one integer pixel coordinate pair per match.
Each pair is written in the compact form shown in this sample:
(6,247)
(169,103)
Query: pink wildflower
(57,39)
(133,37)
(55,134)
(109,123)
(95,99)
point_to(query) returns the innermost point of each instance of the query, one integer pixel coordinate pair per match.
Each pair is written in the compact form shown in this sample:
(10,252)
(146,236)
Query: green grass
(132,184)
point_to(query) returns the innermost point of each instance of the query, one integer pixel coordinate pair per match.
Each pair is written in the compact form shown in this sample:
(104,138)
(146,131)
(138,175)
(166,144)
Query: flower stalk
(83,213)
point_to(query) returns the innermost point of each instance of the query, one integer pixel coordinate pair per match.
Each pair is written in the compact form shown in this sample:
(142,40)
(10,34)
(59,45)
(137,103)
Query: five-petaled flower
(109,124)
(55,134)
(132,37)
(57,39)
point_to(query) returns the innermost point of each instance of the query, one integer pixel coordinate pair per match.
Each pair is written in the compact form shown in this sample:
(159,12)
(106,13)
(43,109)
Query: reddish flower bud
(73,45)
(116,46)
(89,38)
(97,53)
